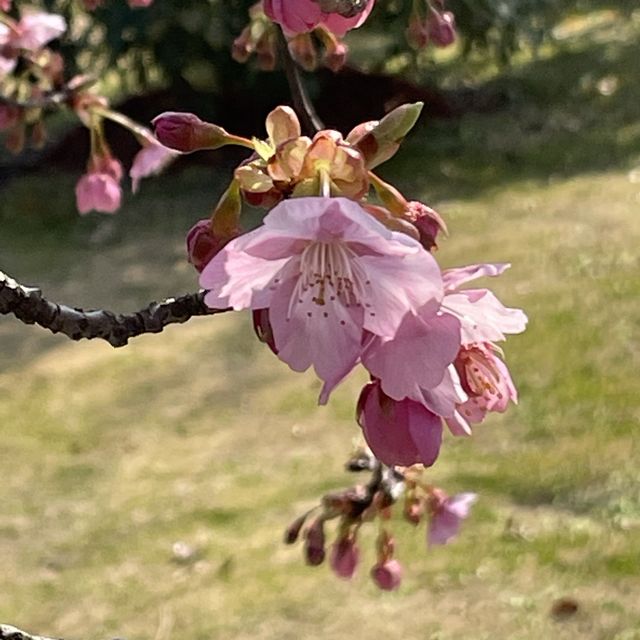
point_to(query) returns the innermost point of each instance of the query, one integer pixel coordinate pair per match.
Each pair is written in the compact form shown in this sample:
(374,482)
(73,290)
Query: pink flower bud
(140,3)
(99,192)
(203,244)
(387,575)
(186,132)
(5,5)
(442,28)
(344,557)
(336,57)
(314,544)
(427,221)
(293,530)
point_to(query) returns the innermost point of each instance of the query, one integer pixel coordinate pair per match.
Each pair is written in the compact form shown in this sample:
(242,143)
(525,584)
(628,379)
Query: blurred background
(145,490)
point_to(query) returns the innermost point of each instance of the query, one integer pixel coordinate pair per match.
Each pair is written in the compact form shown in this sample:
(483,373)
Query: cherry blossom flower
(98,191)
(33,31)
(447,514)
(328,272)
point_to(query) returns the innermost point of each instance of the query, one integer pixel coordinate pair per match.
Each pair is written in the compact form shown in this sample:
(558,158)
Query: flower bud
(387,575)
(442,28)
(383,139)
(314,544)
(304,51)
(427,221)
(293,530)
(344,557)
(203,243)
(186,132)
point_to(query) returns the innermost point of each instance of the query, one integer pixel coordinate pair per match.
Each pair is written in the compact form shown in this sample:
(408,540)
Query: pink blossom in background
(387,575)
(327,272)
(140,3)
(99,192)
(33,31)
(300,16)
(5,5)
(149,161)
(398,433)
(441,28)
(447,514)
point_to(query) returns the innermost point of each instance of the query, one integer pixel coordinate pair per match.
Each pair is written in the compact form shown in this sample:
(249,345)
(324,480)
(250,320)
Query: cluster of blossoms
(429,23)
(25,97)
(341,272)
(315,29)
(375,501)
(305,24)
(335,280)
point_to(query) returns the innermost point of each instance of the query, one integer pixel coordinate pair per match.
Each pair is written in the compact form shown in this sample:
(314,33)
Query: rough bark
(28,305)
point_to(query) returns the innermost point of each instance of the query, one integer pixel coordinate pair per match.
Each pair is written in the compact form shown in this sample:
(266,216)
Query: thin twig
(29,306)
(310,121)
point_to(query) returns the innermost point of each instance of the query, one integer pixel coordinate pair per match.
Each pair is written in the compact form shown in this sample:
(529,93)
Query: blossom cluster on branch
(341,272)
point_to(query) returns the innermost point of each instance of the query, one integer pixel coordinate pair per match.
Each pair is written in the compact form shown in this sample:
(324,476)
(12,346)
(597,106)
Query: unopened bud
(383,140)
(304,51)
(344,557)
(314,545)
(387,575)
(293,530)
(442,28)
(186,132)
(427,221)
(203,244)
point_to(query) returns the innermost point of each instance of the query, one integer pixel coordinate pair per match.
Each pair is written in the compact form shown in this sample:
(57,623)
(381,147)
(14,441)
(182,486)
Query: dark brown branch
(11,633)
(309,119)
(29,306)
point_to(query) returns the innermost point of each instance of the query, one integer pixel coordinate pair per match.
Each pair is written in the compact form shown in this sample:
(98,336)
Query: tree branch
(29,306)
(11,633)
(310,121)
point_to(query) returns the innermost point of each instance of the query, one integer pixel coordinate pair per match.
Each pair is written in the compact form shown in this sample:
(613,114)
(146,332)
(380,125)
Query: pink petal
(417,358)
(305,333)
(339,25)
(484,318)
(453,278)
(239,280)
(399,287)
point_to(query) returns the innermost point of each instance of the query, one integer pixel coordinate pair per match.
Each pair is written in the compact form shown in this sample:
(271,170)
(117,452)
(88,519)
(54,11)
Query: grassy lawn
(200,436)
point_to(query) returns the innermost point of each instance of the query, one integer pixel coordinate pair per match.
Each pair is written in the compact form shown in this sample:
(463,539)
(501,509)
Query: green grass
(200,435)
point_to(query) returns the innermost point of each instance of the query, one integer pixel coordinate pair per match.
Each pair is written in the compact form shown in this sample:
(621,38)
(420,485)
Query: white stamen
(329,271)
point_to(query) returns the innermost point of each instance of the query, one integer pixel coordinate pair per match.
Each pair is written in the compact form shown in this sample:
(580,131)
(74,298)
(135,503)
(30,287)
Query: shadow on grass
(575,111)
